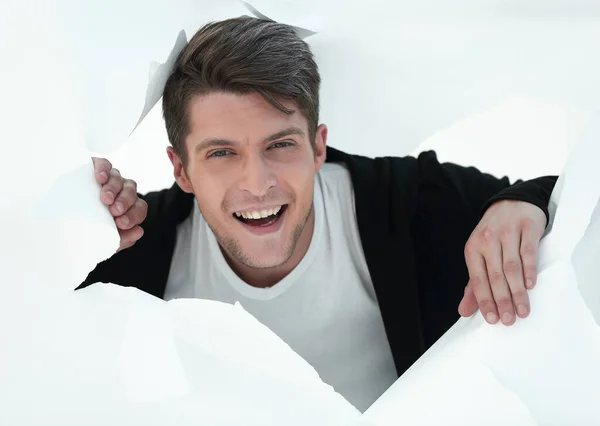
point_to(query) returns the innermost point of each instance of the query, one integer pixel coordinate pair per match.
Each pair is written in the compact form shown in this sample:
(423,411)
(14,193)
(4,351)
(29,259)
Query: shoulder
(369,172)
(167,208)
(335,175)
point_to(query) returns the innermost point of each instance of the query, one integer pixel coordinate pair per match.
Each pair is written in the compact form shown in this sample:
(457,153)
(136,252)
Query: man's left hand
(501,256)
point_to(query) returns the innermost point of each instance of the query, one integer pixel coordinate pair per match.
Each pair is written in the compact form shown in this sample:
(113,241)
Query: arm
(145,262)
(476,190)
(141,265)
(451,202)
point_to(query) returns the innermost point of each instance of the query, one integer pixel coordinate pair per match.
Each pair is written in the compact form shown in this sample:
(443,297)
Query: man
(357,263)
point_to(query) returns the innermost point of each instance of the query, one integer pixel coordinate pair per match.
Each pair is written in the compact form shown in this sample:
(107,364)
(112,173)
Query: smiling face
(252,169)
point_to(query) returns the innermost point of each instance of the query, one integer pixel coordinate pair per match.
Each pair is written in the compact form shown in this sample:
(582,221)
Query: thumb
(468,305)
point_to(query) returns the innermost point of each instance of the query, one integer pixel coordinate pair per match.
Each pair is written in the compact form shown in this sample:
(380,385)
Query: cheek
(302,184)
(210,194)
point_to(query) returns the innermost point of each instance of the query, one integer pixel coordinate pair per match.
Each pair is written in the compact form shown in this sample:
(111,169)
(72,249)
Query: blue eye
(281,145)
(219,153)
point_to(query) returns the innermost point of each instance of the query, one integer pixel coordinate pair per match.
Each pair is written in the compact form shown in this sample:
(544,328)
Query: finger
(498,283)
(112,188)
(468,305)
(529,253)
(478,281)
(513,271)
(102,168)
(130,237)
(126,198)
(135,216)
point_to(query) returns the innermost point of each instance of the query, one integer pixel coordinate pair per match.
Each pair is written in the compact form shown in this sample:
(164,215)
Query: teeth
(258,214)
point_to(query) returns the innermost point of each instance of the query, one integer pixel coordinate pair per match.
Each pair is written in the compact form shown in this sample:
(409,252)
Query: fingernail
(522,310)
(529,283)
(103,175)
(110,194)
(125,220)
(119,206)
(506,317)
(491,317)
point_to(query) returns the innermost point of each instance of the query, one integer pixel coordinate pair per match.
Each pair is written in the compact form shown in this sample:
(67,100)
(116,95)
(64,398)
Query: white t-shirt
(325,309)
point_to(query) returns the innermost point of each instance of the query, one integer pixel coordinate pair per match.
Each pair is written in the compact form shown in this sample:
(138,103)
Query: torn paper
(114,355)
(302,32)
(543,370)
(77,80)
(109,355)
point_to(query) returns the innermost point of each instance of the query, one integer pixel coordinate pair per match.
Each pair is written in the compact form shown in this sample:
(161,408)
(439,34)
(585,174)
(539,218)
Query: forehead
(243,118)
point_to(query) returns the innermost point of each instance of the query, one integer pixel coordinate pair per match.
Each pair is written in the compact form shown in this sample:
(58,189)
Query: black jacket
(414,217)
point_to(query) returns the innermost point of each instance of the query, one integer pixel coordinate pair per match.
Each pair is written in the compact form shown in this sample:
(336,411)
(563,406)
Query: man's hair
(242,56)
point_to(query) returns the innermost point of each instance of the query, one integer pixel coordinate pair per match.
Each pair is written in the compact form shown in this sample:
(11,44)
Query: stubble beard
(233,248)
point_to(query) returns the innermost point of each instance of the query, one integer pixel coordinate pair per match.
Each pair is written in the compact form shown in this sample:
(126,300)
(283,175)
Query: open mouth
(261,218)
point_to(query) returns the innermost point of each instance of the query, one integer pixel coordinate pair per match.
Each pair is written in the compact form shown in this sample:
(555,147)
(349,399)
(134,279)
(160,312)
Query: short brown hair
(242,55)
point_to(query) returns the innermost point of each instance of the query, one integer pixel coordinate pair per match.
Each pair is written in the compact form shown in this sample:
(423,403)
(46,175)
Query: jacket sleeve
(451,200)
(478,190)
(146,265)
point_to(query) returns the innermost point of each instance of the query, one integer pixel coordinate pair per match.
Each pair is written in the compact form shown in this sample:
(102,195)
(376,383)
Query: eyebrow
(218,143)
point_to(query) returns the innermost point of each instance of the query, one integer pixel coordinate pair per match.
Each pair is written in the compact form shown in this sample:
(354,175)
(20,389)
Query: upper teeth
(258,214)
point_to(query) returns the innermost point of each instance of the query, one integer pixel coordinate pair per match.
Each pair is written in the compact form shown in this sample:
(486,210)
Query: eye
(219,153)
(282,144)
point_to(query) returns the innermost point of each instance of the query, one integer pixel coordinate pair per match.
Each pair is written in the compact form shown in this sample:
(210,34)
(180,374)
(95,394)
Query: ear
(320,146)
(179,171)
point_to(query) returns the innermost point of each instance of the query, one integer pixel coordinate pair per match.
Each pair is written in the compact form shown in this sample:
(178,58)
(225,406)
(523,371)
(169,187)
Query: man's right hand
(120,195)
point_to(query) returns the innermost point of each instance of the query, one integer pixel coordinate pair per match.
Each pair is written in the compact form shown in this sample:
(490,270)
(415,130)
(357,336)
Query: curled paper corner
(302,32)
(159,73)
(158,76)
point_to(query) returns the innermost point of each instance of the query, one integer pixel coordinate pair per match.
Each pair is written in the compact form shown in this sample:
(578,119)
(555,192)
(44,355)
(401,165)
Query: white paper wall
(490,84)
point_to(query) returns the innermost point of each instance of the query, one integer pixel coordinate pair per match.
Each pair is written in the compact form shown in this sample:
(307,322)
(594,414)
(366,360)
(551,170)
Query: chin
(265,258)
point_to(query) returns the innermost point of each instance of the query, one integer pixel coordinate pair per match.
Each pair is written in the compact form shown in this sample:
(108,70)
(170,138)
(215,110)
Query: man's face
(251,168)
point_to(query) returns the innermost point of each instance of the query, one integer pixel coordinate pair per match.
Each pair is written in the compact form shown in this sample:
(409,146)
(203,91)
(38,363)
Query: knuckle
(520,295)
(130,184)
(527,223)
(487,235)
(487,305)
(470,248)
(102,163)
(512,267)
(496,275)
(144,207)
(506,232)
(527,249)
(504,302)
(115,172)
(135,216)
(477,282)
(128,193)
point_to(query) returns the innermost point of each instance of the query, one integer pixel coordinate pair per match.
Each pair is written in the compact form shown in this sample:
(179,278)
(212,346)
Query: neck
(268,277)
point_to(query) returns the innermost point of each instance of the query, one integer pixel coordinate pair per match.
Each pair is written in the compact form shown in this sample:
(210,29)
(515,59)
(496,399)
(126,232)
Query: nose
(257,177)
